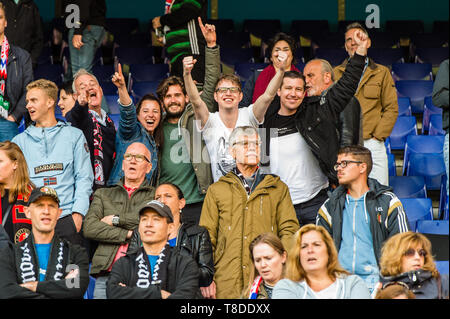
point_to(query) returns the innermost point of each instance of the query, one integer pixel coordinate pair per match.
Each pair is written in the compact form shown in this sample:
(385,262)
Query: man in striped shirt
(361,214)
(182,35)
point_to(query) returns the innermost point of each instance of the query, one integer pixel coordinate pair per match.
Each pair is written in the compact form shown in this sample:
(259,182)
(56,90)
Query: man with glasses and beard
(361,214)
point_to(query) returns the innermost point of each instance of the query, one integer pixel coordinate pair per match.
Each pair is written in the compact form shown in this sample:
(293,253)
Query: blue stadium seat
(431,166)
(235,40)
(108,88)
(386,56)
(422,144)
(115,118)
(404,106)
(22,126)
(300,66)
(52,72)
(412,71)
(103,73)
(129,56)
(309,28)
(442,266)
(384,40)
(245,70)
(89,294)
(416,90)
(222,26)
(46,56)
(113,105)
(139,89)
(122,27)
(438,227)
(149,72)
(435,127)
(333,55)
(428,40)
(391,165)
(264,29)
(408,186)
(417,209)
(428,109)
(404,126)
(233,56)
(404,28)
(387,144)
(435,56)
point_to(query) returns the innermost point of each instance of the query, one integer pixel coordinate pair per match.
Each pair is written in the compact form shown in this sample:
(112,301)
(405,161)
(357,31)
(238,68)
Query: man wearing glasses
(216,127)
(361,214)
(113,214)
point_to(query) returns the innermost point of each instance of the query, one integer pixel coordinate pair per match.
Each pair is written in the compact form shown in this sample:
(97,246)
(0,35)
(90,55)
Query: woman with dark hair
(256,85)
(313,270)
(406,257)
(189,238)
(269,259)
(15,187)
(137,124)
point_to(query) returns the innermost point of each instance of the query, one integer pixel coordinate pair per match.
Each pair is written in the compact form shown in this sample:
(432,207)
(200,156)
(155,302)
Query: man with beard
(184,159)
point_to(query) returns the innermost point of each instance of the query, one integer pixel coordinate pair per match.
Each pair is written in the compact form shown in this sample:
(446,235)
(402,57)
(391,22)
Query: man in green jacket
(240,206)
(113,214)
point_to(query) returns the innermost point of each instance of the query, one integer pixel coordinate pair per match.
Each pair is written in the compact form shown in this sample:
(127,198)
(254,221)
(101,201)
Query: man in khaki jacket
(377,96)
(240,206)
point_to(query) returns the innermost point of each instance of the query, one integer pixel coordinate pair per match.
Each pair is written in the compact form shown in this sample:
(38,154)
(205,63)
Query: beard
(174,115)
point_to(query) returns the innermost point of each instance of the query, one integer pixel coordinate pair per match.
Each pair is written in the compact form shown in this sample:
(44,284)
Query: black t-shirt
(284,124)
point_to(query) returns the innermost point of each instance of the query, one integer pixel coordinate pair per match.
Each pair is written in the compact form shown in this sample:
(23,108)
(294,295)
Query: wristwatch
(115,220)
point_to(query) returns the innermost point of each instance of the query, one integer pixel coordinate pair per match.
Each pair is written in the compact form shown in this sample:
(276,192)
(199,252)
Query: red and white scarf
(168,6)
(4,76)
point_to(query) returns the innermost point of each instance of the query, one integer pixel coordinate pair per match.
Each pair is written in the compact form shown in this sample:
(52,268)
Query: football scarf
(4,104)
(159,277)
(255,288)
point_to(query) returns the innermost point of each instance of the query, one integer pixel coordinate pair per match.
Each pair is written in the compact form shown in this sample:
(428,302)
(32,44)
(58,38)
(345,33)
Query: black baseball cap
(39,192)
(162,209)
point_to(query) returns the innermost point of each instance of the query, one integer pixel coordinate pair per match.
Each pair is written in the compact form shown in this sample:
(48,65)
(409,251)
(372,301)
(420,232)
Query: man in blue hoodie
(361,214)
(57,155)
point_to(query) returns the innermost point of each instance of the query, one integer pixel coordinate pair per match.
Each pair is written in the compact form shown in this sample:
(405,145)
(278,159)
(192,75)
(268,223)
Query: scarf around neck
(145,278)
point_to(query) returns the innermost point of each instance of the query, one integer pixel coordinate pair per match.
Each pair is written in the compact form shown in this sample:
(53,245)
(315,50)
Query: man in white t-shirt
(217,127)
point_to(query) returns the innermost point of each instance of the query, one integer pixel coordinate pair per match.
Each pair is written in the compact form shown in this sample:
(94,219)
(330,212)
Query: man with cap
(113,214)
(43,265)
(155,270)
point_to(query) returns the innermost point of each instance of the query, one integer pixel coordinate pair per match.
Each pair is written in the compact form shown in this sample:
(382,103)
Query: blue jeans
(83,58)
(7,130)
(446,158)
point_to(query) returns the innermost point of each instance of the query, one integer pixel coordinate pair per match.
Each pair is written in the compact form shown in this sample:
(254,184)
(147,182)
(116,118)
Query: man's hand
(188,65)
(156,23)
(108,220)
(77,41)
(31,285)
(118,79)
(165,294)
(209,292)
(82,97)
(77,220)
(362,41)
(209,32)
(280,61)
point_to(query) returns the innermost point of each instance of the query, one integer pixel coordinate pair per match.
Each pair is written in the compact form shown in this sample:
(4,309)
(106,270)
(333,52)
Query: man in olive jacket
(240,206)
(113,214)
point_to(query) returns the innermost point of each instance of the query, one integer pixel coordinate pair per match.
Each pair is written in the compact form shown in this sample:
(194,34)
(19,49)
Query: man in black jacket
(156,270)
(25,26)
(13,82)
(307,131)
(43,265)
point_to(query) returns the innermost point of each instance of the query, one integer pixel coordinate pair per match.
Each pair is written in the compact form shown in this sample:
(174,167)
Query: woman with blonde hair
(313,270)
(406,257)
(15,187)
(269,258)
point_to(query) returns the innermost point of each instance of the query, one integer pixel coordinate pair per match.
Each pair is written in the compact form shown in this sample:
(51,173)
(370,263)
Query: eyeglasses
(412,252)
(395,283)
(138,157)
(223,90)
(344,164)
(246,144)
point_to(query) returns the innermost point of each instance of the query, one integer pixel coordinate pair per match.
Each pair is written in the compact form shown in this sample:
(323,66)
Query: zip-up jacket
(383,207)
(233,219)
(181,281)
(59,157)
(19,264)
(113,201)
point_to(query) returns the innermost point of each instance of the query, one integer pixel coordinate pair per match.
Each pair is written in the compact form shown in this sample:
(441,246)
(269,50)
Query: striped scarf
(168,6)
(255,288)
(4,105)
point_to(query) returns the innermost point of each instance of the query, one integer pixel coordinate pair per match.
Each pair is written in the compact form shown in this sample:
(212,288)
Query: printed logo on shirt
(49,167)
(50,181)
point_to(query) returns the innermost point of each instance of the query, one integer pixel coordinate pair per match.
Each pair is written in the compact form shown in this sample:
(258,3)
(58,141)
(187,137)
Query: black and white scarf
(247,187)
(143,270)
(27,261)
